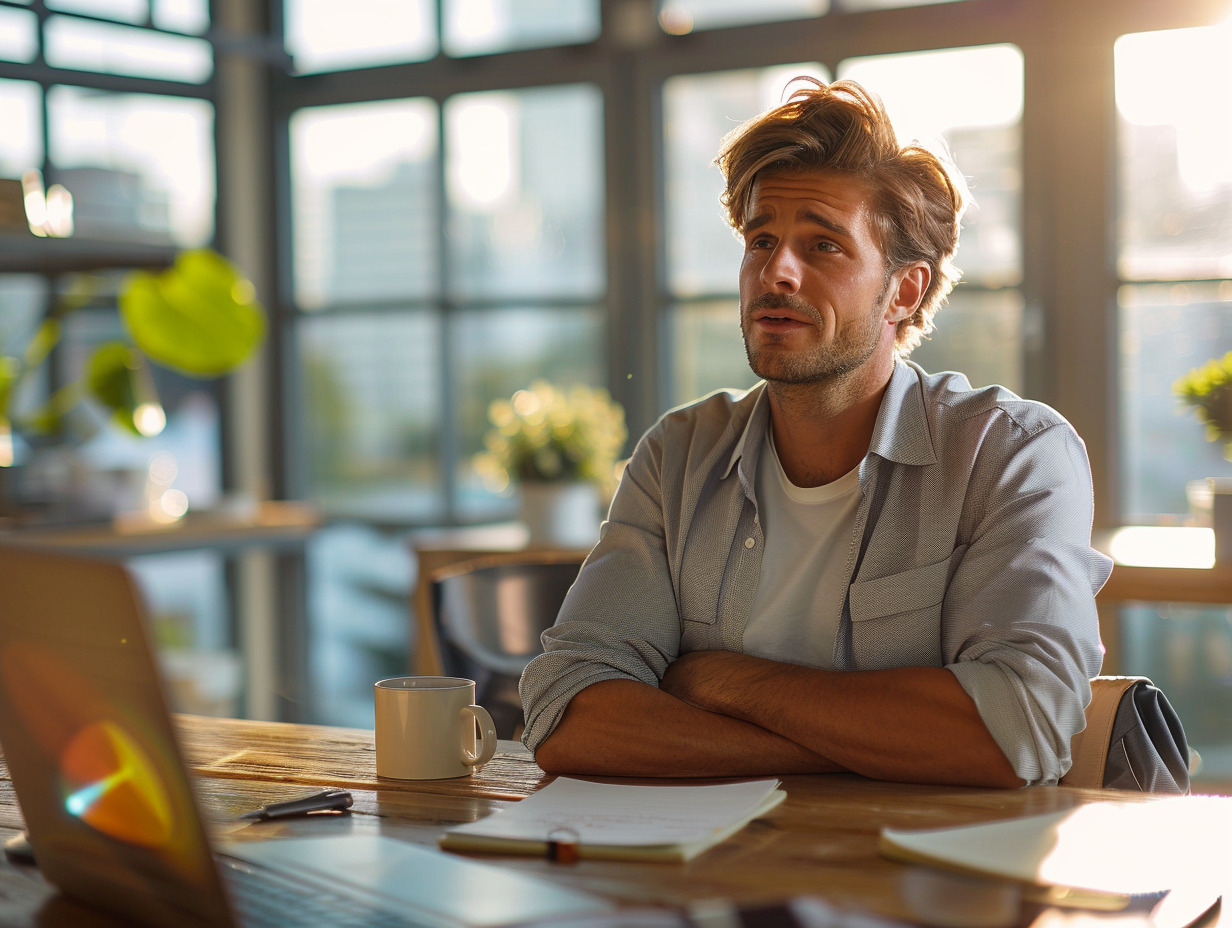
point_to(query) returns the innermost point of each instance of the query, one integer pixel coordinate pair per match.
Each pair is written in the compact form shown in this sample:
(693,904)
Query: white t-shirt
(807,531)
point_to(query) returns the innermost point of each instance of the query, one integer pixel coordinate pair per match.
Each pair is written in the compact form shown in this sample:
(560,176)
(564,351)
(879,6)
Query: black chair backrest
(489,615)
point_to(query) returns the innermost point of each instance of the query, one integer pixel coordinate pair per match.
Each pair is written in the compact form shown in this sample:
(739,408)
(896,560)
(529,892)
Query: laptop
(109,807)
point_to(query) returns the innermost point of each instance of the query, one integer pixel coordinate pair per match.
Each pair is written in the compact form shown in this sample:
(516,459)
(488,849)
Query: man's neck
(823,430)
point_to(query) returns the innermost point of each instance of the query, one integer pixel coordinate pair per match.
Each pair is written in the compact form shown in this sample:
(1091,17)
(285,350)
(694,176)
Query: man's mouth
(776,310)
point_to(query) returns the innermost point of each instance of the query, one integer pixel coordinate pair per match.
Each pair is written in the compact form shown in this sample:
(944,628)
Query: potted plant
(1207,390)
(199,318)
(558,446)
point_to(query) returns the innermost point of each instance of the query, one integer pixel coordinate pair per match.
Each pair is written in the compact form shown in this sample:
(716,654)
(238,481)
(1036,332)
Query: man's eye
(826,246)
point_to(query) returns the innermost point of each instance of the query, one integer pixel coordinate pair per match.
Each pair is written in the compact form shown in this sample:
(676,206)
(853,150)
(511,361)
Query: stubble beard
(852,345)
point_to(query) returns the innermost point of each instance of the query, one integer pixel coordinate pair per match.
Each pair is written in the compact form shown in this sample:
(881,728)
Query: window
(324,35)
(478,27)
(86,45)
(21,144)
(140,167)
(678,17)
(18,35)
(413,325)
(1174,253)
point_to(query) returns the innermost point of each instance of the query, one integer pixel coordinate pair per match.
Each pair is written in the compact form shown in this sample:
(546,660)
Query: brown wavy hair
(918,195)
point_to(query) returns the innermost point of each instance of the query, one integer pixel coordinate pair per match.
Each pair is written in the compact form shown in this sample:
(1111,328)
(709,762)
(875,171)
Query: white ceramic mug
(425,728)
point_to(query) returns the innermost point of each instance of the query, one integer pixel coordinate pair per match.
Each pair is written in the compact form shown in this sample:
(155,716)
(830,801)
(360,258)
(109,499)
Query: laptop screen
(88,740)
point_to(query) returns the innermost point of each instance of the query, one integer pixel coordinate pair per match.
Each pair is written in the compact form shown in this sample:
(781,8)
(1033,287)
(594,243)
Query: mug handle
(487,732)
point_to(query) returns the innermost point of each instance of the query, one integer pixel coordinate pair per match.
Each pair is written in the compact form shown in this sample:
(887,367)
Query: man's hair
(918,195)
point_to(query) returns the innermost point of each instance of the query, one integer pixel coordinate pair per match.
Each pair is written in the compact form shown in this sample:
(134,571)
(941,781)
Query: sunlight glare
(1152,546)
(475,23)
(927,93)
(1182,78)
(483,159)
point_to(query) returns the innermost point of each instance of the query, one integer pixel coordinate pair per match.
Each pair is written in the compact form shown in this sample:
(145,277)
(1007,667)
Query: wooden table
(821,841)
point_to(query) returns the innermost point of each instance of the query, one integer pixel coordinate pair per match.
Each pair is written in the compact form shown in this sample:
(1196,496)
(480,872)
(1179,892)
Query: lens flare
(111,784)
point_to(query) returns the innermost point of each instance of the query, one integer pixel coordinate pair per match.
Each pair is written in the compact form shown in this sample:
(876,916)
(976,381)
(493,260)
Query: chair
(1133,740)
(488,615)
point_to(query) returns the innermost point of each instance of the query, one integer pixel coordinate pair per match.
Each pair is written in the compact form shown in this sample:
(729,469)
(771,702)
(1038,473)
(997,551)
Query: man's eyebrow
(756,222)
(814,217)
(827,223)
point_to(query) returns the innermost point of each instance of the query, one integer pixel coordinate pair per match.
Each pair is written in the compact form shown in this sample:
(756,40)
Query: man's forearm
(912,724)
(627,728)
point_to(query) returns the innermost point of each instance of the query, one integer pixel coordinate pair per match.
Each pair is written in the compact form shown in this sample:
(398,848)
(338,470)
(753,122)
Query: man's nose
(781,272)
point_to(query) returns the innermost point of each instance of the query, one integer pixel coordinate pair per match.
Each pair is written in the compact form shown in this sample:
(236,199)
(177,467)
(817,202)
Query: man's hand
(706,679)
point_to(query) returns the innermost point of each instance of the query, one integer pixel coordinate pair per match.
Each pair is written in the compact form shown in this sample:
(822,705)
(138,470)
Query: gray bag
(1133,740)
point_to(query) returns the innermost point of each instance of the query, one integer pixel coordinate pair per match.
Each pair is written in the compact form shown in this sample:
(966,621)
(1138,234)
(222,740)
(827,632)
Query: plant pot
(1210,501)
(1221,518)
(561,515)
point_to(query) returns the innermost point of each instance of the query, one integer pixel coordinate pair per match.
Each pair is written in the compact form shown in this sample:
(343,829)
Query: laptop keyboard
(266,899)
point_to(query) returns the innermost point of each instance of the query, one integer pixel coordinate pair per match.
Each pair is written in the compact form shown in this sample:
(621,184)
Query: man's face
(815,297)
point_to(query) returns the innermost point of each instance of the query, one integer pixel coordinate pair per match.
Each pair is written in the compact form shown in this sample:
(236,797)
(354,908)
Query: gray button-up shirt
(971,551)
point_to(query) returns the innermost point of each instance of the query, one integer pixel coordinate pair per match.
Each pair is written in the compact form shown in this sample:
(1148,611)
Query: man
(855,566)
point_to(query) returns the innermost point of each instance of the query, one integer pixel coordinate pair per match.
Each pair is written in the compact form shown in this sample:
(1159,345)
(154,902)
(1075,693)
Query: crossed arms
(717,713)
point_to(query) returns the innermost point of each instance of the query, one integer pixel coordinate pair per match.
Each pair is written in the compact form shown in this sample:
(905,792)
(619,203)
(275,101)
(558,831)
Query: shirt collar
(901,433)
(754,431)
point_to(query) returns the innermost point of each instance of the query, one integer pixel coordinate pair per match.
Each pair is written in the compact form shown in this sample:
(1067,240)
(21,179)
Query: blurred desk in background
(1157,565)
(264,525)
(265,539)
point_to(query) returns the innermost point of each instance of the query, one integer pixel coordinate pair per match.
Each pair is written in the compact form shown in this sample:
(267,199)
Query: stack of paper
(616,821)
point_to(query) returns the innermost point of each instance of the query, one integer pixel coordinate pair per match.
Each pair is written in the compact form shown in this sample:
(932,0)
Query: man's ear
(909,286)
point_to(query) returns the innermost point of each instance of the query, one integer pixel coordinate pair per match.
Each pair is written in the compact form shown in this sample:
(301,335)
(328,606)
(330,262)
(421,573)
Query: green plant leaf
(199,317)
(10,370)
(111,379)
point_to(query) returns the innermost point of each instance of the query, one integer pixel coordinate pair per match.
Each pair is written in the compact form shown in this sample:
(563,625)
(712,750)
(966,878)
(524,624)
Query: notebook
(108,802)
(620,821)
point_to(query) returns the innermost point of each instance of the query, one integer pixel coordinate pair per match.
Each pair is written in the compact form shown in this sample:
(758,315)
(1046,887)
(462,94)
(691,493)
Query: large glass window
(372,400)
(18,35)
(140,167)
(324,35)
(86,45)
(525,187)
(417,325)
(478,27)
(681,16)
(1174,253)
(678,17)
(21,142)
(365,203)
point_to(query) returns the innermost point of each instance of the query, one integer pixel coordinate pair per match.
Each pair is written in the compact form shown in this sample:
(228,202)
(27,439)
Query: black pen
(338,800)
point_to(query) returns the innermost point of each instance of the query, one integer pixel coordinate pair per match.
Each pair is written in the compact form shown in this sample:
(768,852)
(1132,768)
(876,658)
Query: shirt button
(749,542)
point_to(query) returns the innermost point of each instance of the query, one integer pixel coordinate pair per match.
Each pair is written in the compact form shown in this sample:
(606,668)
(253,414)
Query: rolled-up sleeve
(1020,628)
(619,620)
